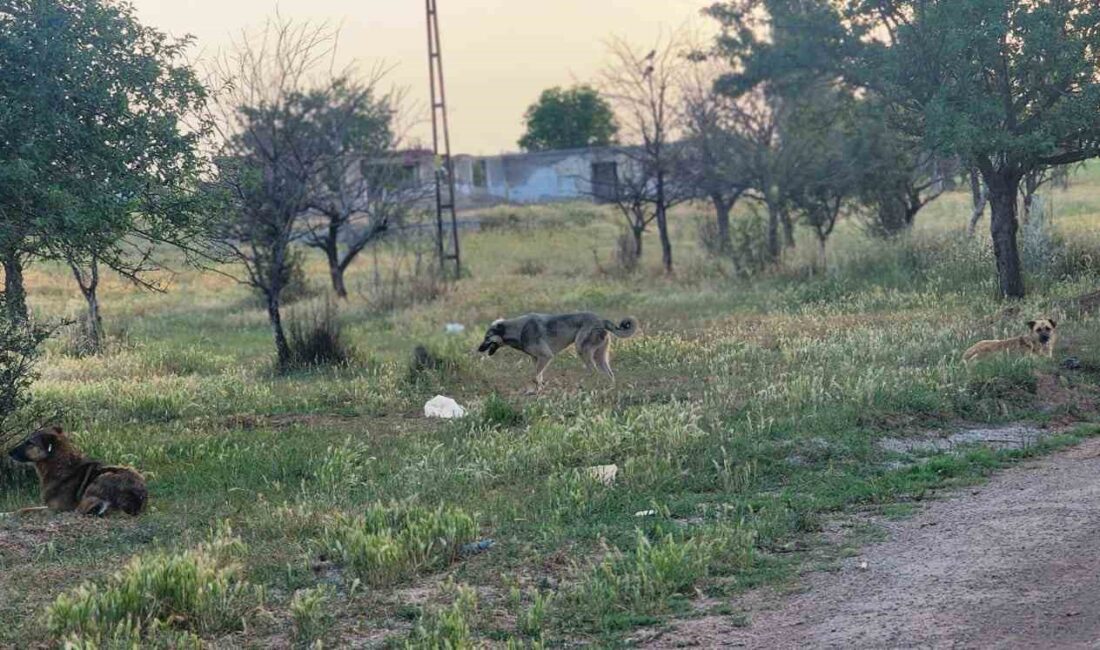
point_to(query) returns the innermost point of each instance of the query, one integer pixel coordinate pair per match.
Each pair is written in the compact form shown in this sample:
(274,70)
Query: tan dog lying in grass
(1039,340)
(70,481)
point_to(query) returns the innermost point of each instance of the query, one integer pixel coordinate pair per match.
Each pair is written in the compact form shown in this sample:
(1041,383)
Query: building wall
(539,177)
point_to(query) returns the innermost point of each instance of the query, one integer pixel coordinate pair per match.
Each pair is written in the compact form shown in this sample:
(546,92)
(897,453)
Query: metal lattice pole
(441,150)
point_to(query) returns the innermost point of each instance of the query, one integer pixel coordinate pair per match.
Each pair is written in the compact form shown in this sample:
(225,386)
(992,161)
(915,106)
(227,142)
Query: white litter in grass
(863,565)
(604,473)
(645,513)
(443,407)
(454,328)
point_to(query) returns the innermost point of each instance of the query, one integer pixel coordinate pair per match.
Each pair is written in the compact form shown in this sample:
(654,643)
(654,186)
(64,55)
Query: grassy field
(320,506)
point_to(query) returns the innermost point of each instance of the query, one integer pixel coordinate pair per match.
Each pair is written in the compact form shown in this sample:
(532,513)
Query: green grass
(161,598)
(746,414)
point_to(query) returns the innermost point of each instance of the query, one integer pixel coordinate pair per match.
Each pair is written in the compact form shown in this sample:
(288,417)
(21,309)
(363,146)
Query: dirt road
(1014,565)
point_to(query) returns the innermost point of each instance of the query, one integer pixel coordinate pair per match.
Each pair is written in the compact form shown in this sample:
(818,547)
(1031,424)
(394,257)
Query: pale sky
(498,54)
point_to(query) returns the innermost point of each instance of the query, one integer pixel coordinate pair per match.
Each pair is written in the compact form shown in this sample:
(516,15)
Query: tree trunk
(979,196)
(335,269)
(788,228)
(666,243)
(773,233)
(15,294)
(662,224)
(89,288)
(282,348)
(95,321)
(637,232)
(1003,225)
(722,211)
(822,261)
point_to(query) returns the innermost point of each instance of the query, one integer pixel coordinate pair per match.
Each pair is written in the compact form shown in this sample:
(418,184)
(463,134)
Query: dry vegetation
(745,416)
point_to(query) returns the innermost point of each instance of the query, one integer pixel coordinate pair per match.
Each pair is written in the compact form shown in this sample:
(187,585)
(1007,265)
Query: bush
(390,543)
(200,590)
(19,347)
(437,364)
(315,336)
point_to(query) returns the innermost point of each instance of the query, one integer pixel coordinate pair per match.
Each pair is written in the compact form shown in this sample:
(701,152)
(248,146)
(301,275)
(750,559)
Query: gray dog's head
(494,338)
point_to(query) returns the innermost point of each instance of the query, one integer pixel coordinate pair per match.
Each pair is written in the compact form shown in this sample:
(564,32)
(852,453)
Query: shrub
(199,590)
(316,337)
(389,543)
(19,347)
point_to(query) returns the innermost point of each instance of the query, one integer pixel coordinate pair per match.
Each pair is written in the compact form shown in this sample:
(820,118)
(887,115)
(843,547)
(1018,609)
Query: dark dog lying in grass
(70,481)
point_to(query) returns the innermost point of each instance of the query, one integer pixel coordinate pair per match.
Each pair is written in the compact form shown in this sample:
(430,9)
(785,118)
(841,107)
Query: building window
(481,174)
(605,181)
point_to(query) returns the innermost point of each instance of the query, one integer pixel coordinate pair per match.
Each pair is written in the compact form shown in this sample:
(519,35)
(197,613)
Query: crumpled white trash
(454,328)
(443,407)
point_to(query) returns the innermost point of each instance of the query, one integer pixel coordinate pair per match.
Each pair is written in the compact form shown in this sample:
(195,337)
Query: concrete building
(526,178)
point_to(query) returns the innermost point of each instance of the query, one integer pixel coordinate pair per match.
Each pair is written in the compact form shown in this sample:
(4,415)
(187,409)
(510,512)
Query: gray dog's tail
(626,328)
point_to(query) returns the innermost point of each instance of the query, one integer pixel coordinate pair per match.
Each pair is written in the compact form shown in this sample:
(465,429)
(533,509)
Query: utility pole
(441,151)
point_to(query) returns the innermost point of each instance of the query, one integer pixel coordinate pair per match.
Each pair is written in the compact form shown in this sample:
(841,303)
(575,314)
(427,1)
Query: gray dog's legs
(603,359)
(543,356)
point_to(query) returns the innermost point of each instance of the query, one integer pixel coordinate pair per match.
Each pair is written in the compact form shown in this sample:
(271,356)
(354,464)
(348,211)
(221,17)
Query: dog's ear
(57,430)
(1031,324)
(1053,325)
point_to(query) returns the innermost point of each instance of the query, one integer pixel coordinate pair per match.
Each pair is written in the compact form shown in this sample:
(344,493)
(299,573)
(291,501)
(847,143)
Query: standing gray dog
(541,336)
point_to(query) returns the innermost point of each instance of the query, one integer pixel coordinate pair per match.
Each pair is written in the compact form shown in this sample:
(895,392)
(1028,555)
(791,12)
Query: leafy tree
(1009,86)
(713,156)
(761,122)
(568,119)
(831,175)
(897,176)
(95,158)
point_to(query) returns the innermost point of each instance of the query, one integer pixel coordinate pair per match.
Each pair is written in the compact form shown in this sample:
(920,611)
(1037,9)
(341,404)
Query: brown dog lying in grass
(70,481)
(1039,340)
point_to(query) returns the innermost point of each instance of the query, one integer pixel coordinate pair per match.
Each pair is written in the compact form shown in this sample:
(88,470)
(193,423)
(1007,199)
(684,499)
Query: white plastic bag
(443,407)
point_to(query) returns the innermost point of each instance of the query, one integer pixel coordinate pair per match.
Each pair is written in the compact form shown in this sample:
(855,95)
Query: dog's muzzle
(1044,338)
(489,346)
(18,455)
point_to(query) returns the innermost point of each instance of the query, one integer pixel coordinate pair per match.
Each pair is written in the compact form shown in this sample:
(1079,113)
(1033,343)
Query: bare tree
(633,198)
(644,89)
(271,152)
(362,187)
